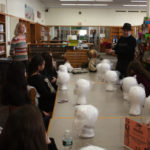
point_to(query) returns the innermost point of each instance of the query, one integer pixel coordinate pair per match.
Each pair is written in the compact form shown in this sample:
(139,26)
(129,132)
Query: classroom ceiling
(115,4)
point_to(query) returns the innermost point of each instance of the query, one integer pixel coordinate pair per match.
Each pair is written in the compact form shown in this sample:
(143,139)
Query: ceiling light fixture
(135,5)
(84,4)
(136,1)
(86,0)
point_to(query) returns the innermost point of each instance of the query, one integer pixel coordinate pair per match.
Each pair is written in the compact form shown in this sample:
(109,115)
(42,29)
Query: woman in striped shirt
(18,49)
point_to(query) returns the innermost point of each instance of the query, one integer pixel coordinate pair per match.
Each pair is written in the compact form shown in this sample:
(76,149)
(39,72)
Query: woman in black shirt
(49,70)
(125,49)
(41,83)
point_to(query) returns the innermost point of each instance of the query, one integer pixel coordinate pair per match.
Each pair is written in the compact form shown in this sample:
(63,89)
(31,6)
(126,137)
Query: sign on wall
(38,15)
(29,12)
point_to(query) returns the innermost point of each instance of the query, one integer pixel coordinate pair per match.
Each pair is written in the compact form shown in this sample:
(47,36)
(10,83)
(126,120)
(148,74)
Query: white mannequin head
(62,68)
(62,80)
(136,98)
(127,83)
(91,147)
(69,67)
(106,61)
(147,105)
(147,108)
(102,68)
(111,78)
(82,87)
(85,119)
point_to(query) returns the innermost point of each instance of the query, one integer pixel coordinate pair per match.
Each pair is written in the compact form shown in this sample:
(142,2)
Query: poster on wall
(29,12)
(38,15)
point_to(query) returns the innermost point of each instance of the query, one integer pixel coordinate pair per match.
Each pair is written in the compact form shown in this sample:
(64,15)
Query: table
(112,112)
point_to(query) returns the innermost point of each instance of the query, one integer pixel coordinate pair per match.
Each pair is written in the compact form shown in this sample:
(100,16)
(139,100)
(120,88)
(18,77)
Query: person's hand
(46,113)
(48,141)
(109,51)
(53,80)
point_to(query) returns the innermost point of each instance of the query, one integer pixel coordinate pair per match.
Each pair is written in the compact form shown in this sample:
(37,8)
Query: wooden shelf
(2,32)
(2,53)
(1,22)
(2,42)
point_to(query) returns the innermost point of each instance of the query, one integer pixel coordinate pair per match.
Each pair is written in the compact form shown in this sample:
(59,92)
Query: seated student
(142,75)
(49,69)
(15,87)
(93,61)
(41,83)
(24,130)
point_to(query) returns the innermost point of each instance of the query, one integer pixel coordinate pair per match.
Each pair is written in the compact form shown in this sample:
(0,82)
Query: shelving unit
(2,36)
(44,33)
(41,33)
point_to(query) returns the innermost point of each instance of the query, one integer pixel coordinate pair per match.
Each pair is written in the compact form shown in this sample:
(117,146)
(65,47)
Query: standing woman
(18,49)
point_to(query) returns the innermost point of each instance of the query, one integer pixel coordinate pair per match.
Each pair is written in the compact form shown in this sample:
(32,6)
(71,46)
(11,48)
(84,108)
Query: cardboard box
(136,135)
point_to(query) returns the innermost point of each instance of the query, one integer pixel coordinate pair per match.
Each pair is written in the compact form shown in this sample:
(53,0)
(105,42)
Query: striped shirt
(18,48)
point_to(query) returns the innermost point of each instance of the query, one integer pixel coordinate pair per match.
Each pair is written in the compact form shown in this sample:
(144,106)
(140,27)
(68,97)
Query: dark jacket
(125,48)
(46,100)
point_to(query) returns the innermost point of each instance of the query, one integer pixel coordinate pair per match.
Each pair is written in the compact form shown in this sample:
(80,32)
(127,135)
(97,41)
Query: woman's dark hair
(48,63)
(36,61)
(15,87)
(135,67)
(16,74)
(24,130)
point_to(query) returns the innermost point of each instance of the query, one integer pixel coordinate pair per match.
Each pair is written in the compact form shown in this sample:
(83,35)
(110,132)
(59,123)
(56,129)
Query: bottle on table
(67,140)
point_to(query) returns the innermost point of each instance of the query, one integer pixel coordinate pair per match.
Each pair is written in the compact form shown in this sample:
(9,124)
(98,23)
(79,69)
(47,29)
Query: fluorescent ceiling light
(84,4)
(135,5)
(86,0)
(104,0)
(136,1)
(77,0)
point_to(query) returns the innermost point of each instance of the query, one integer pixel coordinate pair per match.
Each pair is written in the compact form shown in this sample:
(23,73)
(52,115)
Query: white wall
(70,16)
(17,8)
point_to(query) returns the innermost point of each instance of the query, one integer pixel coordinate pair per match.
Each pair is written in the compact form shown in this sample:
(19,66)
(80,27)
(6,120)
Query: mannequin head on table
(85,119)
(136,99)
(82,87)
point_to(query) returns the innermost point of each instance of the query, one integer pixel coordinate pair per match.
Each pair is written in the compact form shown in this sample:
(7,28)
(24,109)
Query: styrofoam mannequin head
(127,83)
(106,61)
(81,89)
(147,105)
(62,80)
(136,98)
(69,67)
(147,108)
(91,147)
(85,119)
(111,78)
(102,68)
(62,68)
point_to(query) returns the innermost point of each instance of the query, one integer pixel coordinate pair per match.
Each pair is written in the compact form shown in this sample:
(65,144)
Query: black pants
(122,67)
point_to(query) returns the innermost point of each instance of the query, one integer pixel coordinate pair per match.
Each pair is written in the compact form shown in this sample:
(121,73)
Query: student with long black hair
(49,69)
(142,75)
(15,87)
(41,83)
(24,130)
